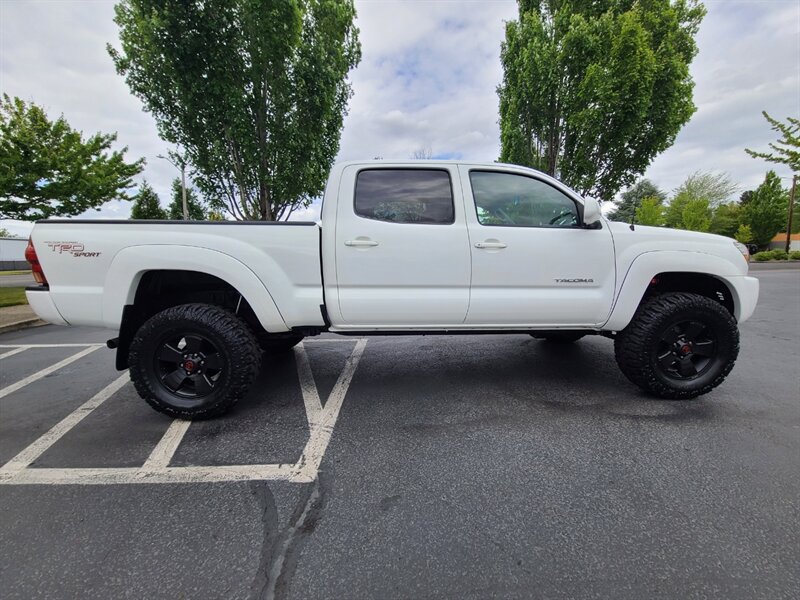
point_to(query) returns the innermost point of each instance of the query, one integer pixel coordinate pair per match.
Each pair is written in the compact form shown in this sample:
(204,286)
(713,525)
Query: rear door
(532,262)
(402,250)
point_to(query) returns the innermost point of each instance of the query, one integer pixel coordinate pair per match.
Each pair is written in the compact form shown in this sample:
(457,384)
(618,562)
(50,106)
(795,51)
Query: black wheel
(193,361)
(275,343)
(560,337)
(678,346)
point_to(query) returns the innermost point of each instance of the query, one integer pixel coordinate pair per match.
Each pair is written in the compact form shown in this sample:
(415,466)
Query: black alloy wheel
(189,365)
(687,349)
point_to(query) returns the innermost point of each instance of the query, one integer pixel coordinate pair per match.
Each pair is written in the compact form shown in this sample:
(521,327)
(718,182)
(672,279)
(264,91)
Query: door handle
(485,245)
(361,243)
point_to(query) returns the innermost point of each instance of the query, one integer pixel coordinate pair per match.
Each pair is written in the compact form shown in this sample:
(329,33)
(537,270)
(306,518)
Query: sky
(427,79)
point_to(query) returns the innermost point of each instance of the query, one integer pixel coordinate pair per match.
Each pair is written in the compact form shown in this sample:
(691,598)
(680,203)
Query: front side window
(405,196)
(520,201)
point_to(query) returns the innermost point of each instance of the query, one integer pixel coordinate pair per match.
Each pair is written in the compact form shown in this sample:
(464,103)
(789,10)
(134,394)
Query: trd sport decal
(579,280)
(74,248)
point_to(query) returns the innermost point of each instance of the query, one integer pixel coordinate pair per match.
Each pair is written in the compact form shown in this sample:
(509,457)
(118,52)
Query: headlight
(743,249)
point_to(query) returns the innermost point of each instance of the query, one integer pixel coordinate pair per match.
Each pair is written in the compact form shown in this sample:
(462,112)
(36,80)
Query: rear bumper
(43,305)
(745,290)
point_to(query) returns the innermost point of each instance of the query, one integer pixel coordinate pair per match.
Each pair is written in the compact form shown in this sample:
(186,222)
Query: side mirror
(592,216)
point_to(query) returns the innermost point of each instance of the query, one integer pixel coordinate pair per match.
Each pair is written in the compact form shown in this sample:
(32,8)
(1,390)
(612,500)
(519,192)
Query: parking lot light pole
(791,211)
(179,162)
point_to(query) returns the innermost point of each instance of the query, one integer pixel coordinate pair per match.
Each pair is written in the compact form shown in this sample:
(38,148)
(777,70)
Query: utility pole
(179,162)
(791,210)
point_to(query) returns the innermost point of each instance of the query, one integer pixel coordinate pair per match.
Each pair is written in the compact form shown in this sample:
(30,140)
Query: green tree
(593,91)
(146,204)
(254,91)
(4,233)
(696,215)
(632,197)
(744,234)
(650,212)
(48,169)
(726,219)
(197,211)
(789,154)
(765,213)
(713,188)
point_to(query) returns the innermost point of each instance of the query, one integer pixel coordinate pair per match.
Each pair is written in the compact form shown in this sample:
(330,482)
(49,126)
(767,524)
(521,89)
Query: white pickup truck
(403,248)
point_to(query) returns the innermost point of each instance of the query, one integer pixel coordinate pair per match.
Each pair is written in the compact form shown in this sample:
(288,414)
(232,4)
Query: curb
(23,324)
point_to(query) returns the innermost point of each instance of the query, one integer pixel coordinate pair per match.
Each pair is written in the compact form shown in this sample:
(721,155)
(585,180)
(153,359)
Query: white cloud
(427,79)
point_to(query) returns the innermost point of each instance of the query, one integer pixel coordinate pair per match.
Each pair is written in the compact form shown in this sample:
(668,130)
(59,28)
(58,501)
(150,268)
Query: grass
(13,273)
(12,296)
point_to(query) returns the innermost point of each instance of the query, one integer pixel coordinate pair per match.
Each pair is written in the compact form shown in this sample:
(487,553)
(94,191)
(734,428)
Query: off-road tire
(560,337)
(235,349)
(636,347)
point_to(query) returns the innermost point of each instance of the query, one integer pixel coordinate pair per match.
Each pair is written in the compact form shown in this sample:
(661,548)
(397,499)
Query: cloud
(428,78)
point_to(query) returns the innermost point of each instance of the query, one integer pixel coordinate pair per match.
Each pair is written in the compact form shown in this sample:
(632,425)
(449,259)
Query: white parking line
(161,455)
(44,372)
(322,430)
(37,448)
(321,421)
(26,346)
(12,352)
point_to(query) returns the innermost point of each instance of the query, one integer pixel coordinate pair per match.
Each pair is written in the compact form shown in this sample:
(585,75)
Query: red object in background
(36,268)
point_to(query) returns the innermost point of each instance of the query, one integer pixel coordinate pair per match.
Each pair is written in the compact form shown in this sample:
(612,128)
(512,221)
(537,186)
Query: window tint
(516,200)
(405,195)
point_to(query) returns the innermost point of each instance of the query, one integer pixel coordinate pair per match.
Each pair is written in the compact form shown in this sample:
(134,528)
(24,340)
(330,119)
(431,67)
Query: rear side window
(422,196)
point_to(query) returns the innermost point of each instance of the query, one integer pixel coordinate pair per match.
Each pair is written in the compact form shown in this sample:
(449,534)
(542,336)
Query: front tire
(193,361)
(678,346)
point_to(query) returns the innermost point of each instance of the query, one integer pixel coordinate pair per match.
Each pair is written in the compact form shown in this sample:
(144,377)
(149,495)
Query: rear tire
(678,346)
(193,361)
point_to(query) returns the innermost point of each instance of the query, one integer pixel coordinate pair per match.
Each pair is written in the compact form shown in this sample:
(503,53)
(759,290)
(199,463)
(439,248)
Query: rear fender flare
(130,264)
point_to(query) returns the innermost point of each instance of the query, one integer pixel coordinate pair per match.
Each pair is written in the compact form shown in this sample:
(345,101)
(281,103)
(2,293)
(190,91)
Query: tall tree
(593,90)
(48,169)
(696,215)
(711,188)
(787,149)
(197,211)
(765,213)
(146,204)
(632,197)
(650,212)
(726,219)
(254,91)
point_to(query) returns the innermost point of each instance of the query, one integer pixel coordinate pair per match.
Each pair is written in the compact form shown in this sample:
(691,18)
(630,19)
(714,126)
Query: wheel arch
(143,280)
(662,272)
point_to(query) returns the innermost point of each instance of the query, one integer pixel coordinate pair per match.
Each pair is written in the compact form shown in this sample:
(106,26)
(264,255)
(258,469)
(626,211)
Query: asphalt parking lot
(406,467)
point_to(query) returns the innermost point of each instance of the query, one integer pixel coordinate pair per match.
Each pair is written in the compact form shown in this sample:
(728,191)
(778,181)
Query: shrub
(794,255)
(770,255)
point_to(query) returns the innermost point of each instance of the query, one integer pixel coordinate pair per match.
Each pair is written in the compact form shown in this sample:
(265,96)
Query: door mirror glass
(591,214)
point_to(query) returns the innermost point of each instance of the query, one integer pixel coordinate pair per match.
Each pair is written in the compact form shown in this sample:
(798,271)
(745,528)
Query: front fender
(649,264)
(128,266)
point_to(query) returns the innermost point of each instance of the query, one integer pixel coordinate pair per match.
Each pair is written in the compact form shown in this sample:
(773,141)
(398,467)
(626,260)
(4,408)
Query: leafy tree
(253,90)
(696,215)
(48,169)
(713,189)
(765,213)
(632,197)
(593,91)
(146,204)
(790,153)
(650,212)
(726,219)
(197,212)
(4,233)
(744,234)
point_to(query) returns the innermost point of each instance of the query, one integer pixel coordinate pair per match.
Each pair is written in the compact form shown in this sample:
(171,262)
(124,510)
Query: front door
(532,262)
(402,251)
